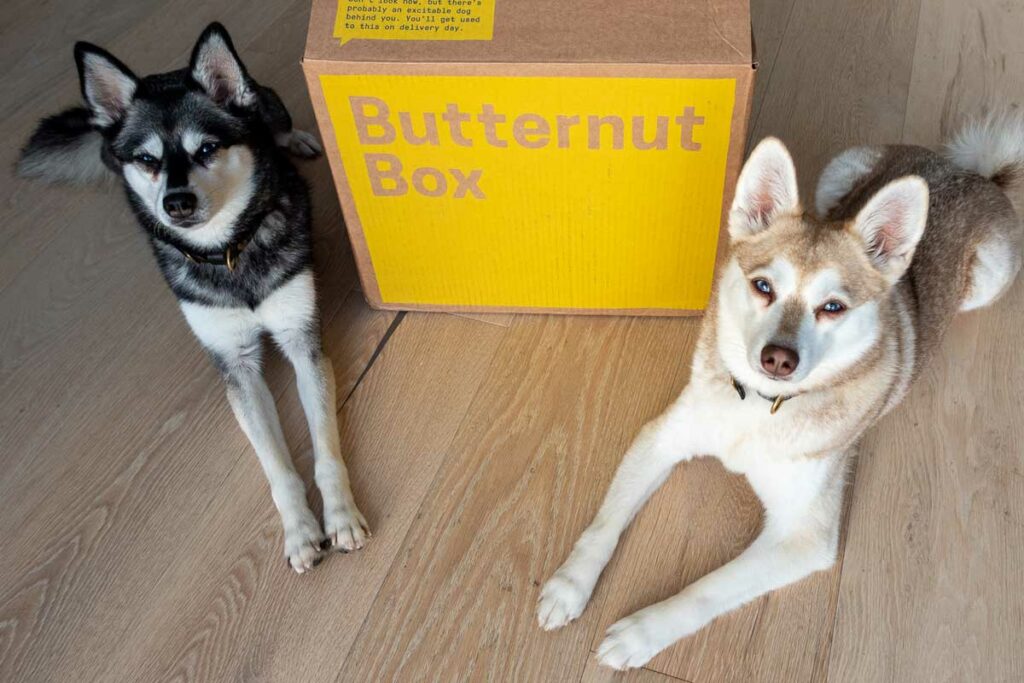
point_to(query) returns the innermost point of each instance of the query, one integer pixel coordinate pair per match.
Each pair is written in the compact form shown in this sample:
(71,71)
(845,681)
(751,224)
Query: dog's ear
(765,190)
(891,223)
(108,86)
(215,66)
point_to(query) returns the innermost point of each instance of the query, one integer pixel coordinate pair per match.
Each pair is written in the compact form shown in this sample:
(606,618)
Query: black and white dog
(200,154)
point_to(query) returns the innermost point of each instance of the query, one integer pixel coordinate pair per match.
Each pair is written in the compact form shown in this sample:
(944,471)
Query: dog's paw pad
(302,547)
(303,144)
(561,600)
(346,530)
(628,644)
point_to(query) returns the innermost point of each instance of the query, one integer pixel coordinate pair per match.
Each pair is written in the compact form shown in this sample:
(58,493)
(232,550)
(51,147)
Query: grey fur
(65,149)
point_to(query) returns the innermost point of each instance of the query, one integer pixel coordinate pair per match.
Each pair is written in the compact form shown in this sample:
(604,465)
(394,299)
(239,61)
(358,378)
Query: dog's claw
(302,543)
(561,600)
(346,529)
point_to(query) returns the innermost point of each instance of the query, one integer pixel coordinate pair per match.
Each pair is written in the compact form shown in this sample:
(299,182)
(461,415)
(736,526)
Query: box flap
(571,31)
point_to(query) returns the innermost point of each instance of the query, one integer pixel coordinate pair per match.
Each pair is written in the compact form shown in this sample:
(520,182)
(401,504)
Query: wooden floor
(138,537)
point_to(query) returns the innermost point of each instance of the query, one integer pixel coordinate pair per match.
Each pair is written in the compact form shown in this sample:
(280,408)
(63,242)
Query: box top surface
(570,31)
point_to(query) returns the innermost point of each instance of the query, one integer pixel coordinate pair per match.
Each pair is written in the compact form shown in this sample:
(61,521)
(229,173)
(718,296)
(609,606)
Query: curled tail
(65,148)
(993,147)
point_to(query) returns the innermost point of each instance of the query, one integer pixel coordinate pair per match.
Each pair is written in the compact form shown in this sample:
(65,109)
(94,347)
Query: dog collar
(777,401)
(228,257)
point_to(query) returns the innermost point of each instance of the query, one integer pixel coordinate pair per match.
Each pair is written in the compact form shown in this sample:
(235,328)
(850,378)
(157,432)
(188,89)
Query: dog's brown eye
(147,160)
(206,150)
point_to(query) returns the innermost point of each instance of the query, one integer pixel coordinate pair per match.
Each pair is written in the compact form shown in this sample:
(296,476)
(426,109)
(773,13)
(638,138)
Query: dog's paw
(561,600)
(302,546)
(301,144)
(346,529)
(629,643)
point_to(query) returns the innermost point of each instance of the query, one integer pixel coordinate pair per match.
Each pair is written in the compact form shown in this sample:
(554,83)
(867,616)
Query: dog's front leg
(344,524)
(661,444)
(297,332)
(233,340)
(800,537)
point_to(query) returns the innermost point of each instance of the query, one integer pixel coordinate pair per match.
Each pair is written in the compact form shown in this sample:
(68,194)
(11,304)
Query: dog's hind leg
(646,465)
(993,269)
(296,331)
(232,337)
(279,121)
(800,536)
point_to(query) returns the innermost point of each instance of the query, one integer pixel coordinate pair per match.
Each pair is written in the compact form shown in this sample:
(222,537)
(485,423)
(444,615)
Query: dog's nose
(779,361)
(180,205)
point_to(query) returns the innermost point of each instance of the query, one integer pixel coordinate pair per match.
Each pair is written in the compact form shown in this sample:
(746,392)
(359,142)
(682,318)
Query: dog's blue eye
(833,307)
(762,286)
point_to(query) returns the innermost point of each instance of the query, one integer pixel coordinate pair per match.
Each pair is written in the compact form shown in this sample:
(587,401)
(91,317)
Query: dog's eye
(206,150)
(146,159)
(763,288)
(833,307)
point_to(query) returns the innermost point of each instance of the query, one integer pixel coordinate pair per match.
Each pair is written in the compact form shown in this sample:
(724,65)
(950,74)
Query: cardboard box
(524,155)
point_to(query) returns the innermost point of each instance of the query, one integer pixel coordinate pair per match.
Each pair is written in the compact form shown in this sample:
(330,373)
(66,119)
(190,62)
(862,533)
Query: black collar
(777,401)
(228,256)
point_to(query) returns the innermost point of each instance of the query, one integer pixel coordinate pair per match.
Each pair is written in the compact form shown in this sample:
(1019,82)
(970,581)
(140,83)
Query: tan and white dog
(816,329)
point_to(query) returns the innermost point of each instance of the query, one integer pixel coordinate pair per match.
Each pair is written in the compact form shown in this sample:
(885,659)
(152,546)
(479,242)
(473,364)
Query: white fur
(841,174)
(802,498)
(891,224)
(154,145)
(990,145)
(191,139)
(233,335)
(150,189)
(765,190)
(996,263)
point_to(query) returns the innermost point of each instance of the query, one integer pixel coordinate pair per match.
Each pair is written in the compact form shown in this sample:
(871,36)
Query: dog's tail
(994,148)
(65,148)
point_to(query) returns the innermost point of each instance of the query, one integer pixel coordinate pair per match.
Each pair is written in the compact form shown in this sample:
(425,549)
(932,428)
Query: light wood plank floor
(139,541)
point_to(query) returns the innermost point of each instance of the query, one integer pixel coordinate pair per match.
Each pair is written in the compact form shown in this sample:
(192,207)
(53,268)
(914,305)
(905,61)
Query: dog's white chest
(744,433)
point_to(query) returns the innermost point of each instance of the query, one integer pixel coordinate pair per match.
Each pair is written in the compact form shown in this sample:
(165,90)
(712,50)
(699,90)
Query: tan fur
(964,210)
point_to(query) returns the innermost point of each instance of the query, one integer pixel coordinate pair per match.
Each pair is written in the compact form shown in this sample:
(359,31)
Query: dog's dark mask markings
(198,152)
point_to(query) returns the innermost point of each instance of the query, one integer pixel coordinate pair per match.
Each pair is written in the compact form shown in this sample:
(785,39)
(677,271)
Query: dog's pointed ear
(765,190)
(891,224)
(215,66)
(108,86)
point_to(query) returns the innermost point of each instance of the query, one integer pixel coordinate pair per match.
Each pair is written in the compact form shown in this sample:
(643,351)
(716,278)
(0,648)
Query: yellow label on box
(552,192)
(414,20)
